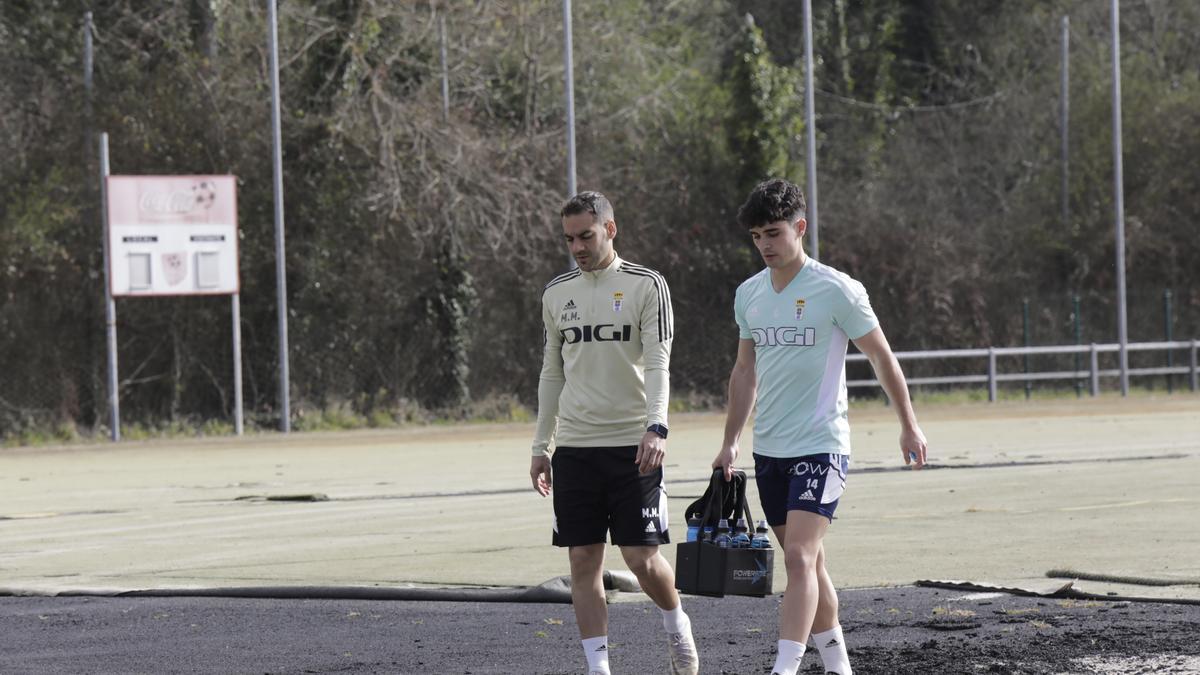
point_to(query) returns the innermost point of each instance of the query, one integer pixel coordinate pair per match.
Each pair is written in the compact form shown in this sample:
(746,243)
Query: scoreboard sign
(172,235)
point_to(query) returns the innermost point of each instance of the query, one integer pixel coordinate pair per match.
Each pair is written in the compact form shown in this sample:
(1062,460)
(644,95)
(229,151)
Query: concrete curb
(556,590)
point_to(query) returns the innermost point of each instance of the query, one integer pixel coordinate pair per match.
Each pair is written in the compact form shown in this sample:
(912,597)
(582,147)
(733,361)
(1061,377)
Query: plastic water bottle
(708,534)
(722,539)
(693,530)
(760,540)
(741,536)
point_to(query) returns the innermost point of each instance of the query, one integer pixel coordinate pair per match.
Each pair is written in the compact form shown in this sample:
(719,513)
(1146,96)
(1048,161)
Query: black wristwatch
(659,429)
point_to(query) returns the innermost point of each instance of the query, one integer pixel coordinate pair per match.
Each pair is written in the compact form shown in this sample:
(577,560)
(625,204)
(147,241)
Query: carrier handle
(714,509)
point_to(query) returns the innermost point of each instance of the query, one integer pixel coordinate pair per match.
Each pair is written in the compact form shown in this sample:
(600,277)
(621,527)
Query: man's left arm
(657,331)
(887,369)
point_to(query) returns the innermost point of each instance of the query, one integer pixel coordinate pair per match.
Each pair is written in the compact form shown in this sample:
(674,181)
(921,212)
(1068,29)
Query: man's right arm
(550,386)
(743,387)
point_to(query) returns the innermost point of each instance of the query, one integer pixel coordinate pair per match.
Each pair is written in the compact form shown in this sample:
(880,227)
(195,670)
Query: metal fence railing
(993,375)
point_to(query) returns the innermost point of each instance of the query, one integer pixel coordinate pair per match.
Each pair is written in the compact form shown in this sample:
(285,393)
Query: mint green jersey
(800,337)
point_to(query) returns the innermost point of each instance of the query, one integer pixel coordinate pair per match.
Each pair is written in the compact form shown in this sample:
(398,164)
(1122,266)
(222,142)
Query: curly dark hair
(589,202)
(771,201)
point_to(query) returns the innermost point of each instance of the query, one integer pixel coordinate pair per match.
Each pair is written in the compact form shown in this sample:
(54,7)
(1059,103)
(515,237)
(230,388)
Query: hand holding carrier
(703,567)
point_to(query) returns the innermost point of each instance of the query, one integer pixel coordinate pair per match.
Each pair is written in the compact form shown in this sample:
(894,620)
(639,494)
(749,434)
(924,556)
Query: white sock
(675,621)
(788,660)
(832,646)
(596,651)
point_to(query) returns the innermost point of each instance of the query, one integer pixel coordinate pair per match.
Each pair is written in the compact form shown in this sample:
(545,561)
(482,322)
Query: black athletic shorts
(812,483)
(599,490)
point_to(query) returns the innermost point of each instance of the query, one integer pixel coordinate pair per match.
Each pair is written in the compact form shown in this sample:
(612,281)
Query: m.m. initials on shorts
(653,517)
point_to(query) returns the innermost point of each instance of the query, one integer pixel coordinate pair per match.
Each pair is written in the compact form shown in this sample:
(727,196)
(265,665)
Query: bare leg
(780,533)
(658,581)
(654,573)
(587,590)
(827,600)
(801,551)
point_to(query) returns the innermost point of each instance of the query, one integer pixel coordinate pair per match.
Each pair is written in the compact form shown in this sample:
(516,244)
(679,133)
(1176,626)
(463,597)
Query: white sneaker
(682,650)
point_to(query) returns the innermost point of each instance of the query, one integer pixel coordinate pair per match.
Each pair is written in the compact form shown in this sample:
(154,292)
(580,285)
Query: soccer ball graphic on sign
(205,194)
(174,267)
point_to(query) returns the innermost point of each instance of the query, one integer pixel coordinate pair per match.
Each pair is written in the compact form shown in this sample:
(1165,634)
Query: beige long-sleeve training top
(605,368)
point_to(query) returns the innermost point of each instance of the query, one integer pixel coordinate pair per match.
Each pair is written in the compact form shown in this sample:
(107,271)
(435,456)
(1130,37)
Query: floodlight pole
(810,125)
(88,69)
(569,68)
(445,72)
(285,415)
(89,63)
(110,306)
(1064,123)
(1119,198)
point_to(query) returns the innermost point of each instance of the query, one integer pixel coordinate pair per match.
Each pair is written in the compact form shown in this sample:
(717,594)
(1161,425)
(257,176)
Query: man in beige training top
(602,400)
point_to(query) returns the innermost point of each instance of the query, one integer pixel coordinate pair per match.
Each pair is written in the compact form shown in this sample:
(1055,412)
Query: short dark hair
(771,201)
(589,202)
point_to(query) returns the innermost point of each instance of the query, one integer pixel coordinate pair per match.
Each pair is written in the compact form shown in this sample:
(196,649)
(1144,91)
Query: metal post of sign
(285,415)
(810,125)
(1119,199)
(445,71)
(110,307)
(235,304)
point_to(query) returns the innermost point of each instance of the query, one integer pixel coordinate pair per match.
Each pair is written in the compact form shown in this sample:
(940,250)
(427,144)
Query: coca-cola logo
(202,195)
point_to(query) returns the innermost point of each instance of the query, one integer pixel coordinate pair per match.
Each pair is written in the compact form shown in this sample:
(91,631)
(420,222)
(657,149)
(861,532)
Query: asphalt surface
(893,631)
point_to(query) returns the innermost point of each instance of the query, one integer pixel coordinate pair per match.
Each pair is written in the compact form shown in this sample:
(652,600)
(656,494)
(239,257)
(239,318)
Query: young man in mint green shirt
(795,319)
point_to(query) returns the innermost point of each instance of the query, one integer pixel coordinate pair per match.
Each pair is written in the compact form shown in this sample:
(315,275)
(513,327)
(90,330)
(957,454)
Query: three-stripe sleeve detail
(666,323)
(566,276)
